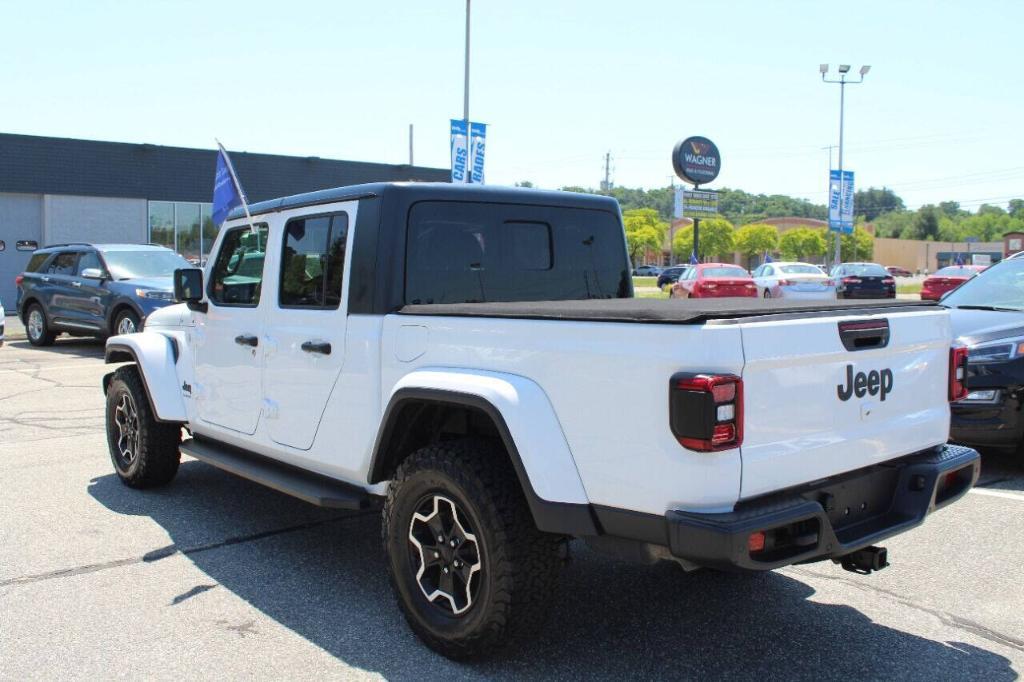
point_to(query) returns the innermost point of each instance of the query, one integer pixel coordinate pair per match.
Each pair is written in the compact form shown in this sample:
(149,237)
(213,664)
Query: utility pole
(607,183)
(843,70)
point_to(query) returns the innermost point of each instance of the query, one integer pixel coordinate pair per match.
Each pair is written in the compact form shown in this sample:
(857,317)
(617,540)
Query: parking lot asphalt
(214,576)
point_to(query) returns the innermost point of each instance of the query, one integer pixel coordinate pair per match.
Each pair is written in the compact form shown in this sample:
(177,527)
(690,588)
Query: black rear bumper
(827,519)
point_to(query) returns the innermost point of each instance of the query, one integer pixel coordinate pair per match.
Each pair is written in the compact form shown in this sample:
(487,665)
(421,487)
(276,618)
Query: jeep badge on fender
(859,384)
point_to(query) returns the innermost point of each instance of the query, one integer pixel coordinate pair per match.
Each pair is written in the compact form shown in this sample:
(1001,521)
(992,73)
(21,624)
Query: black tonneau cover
(660,311)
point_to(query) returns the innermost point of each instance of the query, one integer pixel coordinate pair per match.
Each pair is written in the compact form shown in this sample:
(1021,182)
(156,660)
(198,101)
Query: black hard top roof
(437,191)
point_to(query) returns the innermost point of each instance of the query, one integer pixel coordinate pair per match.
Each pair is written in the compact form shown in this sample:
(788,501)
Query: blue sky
(559,83)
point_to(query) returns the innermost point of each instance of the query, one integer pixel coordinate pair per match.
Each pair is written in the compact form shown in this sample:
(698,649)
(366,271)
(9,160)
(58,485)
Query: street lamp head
(844,68)
(823,68)
(864,69)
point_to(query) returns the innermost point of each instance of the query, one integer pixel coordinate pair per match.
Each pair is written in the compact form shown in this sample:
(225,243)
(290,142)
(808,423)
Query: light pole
(843,70)
(465,91)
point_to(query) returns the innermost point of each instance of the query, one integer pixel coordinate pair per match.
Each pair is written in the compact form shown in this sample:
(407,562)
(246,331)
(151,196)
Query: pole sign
(840,201)
(696,203)
(696,160)
(468,146)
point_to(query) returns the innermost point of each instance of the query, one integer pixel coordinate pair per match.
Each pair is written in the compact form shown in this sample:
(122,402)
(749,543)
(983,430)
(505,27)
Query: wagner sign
(696,160)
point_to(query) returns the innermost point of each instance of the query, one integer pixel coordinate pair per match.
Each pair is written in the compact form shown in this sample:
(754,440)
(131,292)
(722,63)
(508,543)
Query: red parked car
(947,279)
(714,280)
(897,271)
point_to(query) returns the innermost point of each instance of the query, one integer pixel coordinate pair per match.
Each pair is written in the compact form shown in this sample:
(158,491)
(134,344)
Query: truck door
(228,359)
(305,334)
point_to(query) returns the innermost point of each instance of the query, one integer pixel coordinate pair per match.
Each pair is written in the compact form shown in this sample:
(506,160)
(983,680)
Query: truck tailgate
(813,408)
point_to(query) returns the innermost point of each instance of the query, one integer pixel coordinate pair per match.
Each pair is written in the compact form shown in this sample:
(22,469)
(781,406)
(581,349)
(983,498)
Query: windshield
(864,270)
(134,264)
(1000,286)
(724,272)
(800,269)
(956,271)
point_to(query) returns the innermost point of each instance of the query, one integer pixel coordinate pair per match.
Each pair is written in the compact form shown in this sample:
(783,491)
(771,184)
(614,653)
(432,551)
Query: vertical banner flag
(460,151)
(477,139)
(227,193)
(840,202)
(677,203)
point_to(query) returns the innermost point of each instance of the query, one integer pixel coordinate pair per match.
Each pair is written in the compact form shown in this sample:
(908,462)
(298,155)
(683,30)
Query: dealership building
(56,190)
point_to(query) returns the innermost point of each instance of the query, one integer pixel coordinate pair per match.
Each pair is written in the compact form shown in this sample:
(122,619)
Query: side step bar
(305,485)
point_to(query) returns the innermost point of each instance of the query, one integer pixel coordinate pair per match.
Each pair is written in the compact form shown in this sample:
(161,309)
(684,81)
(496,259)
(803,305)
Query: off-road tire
(46,335)
(519,564)
(155,456)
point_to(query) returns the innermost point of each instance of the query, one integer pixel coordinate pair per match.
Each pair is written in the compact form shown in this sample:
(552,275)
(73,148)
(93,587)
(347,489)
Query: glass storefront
(185,226)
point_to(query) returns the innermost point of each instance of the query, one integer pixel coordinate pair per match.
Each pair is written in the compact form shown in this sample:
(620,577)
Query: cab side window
(63,264)
(313,262)
(237,275)
(87,260)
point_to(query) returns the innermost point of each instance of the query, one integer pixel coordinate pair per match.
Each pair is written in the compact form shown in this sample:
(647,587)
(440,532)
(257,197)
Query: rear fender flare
(156,356)
(528,426)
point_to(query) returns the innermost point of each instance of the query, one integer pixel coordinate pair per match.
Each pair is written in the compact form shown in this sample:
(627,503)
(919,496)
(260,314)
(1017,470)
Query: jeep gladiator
(473,361)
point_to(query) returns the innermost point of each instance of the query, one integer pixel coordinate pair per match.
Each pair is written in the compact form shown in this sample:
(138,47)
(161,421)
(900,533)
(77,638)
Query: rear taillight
(957,373)
(888,280)
(706,411)
(851,280)
(19,279)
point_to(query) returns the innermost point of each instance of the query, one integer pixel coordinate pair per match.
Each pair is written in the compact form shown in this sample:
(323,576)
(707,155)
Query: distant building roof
(53,165)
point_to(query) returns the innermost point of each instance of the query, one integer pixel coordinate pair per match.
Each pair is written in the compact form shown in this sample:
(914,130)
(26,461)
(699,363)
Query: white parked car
(794,281)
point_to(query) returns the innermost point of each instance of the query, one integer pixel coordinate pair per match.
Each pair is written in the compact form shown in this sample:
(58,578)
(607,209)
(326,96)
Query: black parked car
(987,314)
(863,280)
(94,289)
(671,275)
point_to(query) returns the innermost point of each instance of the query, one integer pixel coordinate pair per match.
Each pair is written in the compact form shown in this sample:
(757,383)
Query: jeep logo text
(874,382)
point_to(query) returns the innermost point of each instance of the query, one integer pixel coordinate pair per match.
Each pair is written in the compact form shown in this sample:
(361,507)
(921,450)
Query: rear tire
(493,585)
(37,328)
(143,450)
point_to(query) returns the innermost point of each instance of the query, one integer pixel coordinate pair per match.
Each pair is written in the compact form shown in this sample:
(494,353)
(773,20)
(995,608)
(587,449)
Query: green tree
(950,209)
(716,239)
(859,246)
(925,224)
(637,218)
(872,202)
(755,239)
(802,243)
(1016,208)
(641,240)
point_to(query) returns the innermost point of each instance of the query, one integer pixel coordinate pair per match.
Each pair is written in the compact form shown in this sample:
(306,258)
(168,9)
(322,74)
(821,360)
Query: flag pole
(238,186)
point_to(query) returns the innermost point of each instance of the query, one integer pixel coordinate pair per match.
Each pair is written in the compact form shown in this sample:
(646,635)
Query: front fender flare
(156,356)
(527,423)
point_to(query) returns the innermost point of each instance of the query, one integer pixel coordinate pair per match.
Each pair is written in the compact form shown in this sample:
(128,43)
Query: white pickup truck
(473,360)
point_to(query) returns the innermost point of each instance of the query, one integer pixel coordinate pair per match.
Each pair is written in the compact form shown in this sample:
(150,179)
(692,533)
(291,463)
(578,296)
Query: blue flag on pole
(767,258)
(693,258)
(959,259)
(227,193)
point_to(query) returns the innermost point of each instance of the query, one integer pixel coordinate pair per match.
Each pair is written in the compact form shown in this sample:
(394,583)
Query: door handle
(76,284)
(322,347)
(247,340)
(46,279)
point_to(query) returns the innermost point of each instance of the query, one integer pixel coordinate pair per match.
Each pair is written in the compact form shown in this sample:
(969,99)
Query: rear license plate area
(854,500)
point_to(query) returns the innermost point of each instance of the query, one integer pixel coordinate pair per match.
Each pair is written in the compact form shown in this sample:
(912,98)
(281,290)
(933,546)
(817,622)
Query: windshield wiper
(988,307)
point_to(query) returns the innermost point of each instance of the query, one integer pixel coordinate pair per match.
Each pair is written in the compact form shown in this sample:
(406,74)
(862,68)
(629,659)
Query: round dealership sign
(696,160)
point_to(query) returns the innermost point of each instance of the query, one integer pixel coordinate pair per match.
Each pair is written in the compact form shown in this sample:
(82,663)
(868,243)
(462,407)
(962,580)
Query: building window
(184,226)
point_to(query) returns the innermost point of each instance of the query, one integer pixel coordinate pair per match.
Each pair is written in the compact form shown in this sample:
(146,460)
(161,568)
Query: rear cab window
(313,262)
(468,252)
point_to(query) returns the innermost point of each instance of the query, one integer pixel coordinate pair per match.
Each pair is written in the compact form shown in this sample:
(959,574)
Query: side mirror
(188,288)
(93,273)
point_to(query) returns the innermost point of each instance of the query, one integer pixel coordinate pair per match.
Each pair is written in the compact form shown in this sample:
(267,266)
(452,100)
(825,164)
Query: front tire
(127,322)
(469,568)
(143,450)
(37,329)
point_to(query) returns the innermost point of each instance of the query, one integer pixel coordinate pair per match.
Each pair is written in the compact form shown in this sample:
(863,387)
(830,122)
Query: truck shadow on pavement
(76,347)
(321,574)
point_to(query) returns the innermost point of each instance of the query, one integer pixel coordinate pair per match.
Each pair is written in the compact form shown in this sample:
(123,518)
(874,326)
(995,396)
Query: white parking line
(1006,494)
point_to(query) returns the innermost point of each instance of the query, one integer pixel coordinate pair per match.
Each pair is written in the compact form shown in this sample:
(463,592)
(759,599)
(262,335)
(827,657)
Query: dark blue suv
(94,289)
